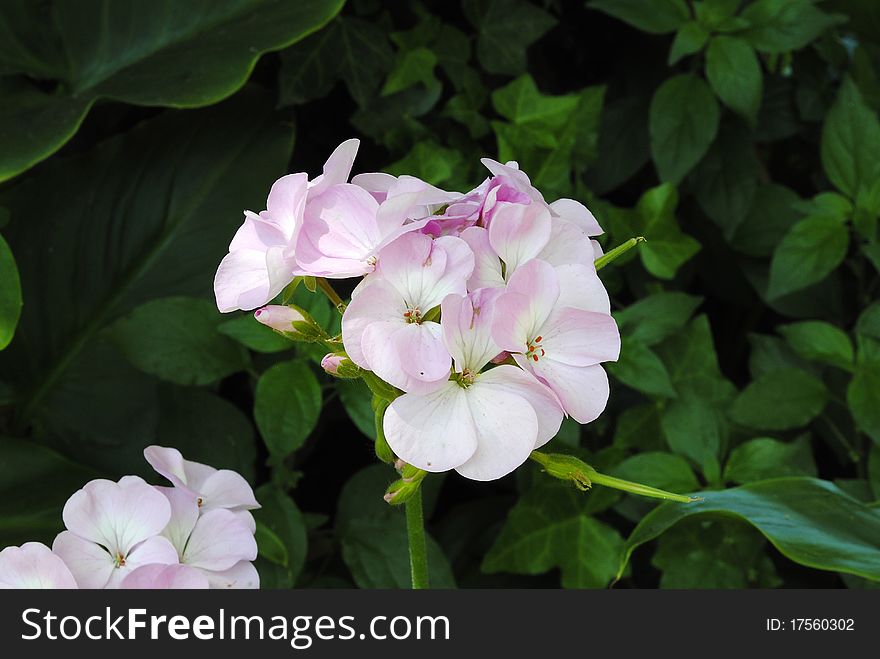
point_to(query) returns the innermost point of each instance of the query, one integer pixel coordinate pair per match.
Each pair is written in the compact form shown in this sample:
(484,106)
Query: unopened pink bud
(278,317)
(331,363)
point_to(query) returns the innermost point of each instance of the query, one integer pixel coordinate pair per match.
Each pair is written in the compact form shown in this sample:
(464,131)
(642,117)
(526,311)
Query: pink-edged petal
(376,301)
(514,323)
(538,281)
(155,550)
(421,351)
(227,489)
(337,168)
(89,563)
(547,406)
(219,540)
(384,344)
(33,566)
(165,577)
(258,233)
(170,463)
(574,212)
(242,281)
(117,515)
(519,232)
(339,232)
(580,338)
(241,576)
(376,183)
(581,288)
(515,176)
(184,515)
(506,426)
(434,432)
(286,202)
(487,264)
(583,390)
(467,328)
(567,244)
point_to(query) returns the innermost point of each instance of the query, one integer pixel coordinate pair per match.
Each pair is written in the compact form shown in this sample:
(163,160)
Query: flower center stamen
(120,560)
(413,315)
(535,351)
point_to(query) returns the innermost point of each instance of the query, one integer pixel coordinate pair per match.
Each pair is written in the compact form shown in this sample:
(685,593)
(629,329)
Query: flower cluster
(482,310)
(129,534)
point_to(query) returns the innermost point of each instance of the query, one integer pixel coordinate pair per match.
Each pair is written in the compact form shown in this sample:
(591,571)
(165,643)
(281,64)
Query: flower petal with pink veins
(165,577)
(574,212)
(117,515)
(384,343)
(241,576)
(538,282)
(467,328)
(519,232)
(583,390)
(581,288)
(184,515)
(219,540)
(89,563)
(227,489)
(580,338)
(515,176)
(487,264)
(506,427)
(567,244)
(376,301)
(287,199)
(33,566)
(434,432)
(153,550)
(422,352)
(249,278)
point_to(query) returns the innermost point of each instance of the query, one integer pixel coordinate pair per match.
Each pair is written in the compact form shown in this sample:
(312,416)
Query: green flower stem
(617,252)
(331,294)
(638,488)
(418,548)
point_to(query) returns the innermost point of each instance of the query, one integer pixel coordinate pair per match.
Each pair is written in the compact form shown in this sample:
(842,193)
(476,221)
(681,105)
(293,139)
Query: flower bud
(291,321)
(340,366)
(566,468)
(401,490)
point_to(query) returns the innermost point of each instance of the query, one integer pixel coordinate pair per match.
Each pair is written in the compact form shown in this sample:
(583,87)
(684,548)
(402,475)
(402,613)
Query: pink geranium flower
(33,566)
(483,425)
(262,259)
(113,528)
(385,328)
(561,344)
(165,577)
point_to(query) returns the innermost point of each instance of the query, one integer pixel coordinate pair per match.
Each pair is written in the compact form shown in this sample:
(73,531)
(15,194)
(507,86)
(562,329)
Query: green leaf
(771,214)
(349,48)
(521,102)
(655,317)
(357,400)
(35,482)
(428,161)
(658,17)
(411,67)
(779,26)
(250,333)
(810,521)
(10,294)
(640,368)
(861,397)
(692,363)
(869,321)
(657,469)
(735,74)
(780,399)
(287,403)
(171,58)
(689,39)
(851,143)
(176,339)
(506,29)
(638,427)
(763,458)
(696,431)
(683,123)
(283,538)
(548,528)
(623,146)
(819,341)
(808,253)
(158,206)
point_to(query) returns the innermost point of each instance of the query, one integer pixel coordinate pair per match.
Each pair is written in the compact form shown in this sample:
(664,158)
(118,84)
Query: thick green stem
(617,252)
(418,548)
(331,294)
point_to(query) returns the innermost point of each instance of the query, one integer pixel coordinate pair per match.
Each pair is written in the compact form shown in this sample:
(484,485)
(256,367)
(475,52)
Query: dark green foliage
(739,138)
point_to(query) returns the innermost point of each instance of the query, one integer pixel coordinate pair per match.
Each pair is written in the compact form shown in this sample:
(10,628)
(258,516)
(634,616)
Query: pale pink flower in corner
(211,542)
(483,425)
(113,528)
(212,488)
(561,345)
(262,259)
(345,230)
(165,577)
(33,566)
(385,328)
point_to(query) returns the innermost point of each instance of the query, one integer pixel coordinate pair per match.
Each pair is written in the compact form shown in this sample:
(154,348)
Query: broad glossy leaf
(549,528)
(655,317)
(810,521)
(697,431)
(689,39)
(282,519)
(506,29)
(810,250)
(861,394)
(771,214)
(657,17)
(178,56)
(357,400)
(144,215)
(683,123)
(657,469)
(764,457)
(250,333)
(10,294)
(640,368)
(819,341)
(287,403)
(35,482)
(778,26)
(734,72)
(176,339)
(780,399)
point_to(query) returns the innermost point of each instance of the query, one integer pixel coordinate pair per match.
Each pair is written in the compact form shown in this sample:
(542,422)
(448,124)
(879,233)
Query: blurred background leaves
(740,137)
